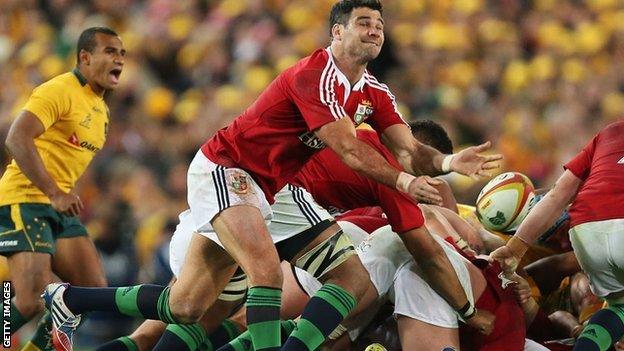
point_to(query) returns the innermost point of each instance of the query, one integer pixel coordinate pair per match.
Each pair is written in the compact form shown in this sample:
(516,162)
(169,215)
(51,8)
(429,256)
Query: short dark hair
(431,133)
(341,10)
(87,42)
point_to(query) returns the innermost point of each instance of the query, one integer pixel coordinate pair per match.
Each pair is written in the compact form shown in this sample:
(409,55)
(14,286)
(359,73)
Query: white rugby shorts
(599,248)
(394,272)
(213,188)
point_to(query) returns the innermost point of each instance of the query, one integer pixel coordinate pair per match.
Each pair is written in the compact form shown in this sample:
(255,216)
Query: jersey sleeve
(387,111)
(48,102)
(312,92)
(581,163)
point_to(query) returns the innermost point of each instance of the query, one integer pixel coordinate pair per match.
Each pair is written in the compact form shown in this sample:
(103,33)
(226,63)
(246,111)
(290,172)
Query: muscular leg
(205,272)
(76,261)
(242,231)
(334,301)
(293,298)
(30,272)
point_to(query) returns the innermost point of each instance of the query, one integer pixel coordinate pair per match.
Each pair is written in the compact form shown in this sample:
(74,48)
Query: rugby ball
(505,201)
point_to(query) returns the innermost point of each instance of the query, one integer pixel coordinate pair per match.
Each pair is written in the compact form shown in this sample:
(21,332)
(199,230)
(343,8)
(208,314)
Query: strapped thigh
(327,255)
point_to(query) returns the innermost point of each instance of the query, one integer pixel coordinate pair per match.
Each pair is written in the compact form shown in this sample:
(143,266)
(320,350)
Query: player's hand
(522,289)
(469,162)
(422,189)
(505,257)
(66,203)
(483,321)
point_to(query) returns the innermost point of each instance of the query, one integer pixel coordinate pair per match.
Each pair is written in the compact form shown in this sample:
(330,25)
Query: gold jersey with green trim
(76,123)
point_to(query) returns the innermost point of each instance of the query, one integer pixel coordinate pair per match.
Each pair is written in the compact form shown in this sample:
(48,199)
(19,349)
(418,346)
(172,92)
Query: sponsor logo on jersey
(8,243)
(363,111)
(87,145)
(239,183)
(73,139)
(312,141)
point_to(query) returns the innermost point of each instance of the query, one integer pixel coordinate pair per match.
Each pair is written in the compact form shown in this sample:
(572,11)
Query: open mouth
(114,74)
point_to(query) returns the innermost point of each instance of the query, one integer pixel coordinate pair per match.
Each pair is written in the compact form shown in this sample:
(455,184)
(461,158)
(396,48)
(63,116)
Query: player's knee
(350,275)
(186,310)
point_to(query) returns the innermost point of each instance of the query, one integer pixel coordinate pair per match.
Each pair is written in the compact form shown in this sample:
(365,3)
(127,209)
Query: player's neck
(348,65)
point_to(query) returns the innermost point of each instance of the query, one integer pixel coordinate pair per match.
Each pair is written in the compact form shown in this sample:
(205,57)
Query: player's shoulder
(58,84)
(615,128)
(308,73)
(317,60)
(312,64)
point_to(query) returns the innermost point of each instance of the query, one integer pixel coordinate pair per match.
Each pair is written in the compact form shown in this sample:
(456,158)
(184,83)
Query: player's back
(601,167)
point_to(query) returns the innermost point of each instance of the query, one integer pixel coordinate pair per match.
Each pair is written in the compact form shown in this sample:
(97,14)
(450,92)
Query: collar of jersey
(342,78)
(81,78)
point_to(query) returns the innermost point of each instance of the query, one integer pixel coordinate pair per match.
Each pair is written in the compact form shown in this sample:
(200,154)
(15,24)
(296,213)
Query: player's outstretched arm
(340,136)
(20,143)
(541,217)
(418,158)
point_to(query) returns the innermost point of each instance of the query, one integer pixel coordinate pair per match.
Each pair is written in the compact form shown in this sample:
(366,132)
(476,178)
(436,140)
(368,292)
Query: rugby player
(593,181)
(54,138)
(232,180)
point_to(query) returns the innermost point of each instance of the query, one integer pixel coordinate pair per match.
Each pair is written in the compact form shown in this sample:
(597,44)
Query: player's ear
(85,57)
(336,31)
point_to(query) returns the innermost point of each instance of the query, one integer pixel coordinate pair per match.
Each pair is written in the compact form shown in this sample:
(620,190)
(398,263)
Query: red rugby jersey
(333,184)
(601,167)
(274,137)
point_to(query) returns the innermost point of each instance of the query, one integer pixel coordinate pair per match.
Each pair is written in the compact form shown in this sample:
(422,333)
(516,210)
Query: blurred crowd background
(538,78)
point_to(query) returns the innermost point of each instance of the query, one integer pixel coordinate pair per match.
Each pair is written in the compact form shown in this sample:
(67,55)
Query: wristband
(468,311)
(446,163)
(517,246)
(403,181)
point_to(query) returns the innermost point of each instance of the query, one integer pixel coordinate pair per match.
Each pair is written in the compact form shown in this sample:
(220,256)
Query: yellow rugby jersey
(76,123)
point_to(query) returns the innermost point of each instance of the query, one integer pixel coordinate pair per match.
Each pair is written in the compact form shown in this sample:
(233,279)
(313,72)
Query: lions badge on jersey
(239,183)
(364,110)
